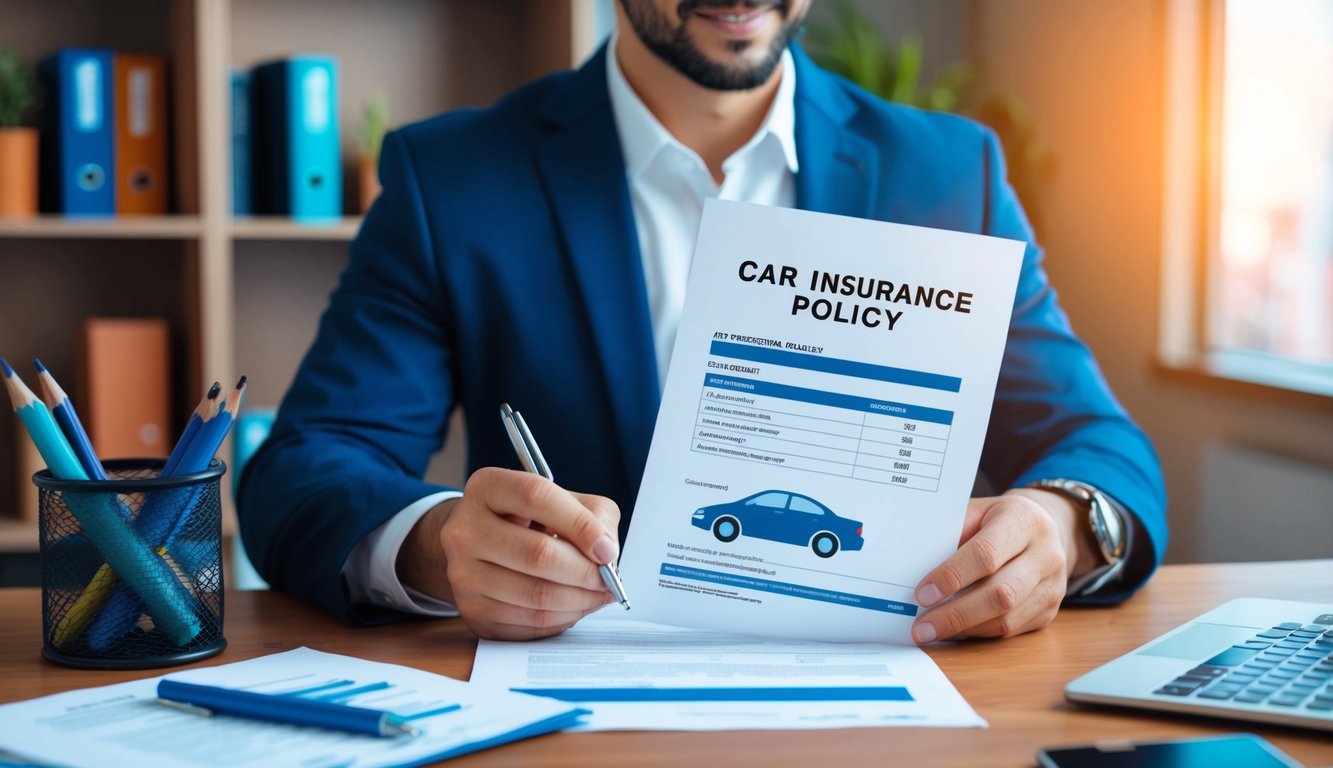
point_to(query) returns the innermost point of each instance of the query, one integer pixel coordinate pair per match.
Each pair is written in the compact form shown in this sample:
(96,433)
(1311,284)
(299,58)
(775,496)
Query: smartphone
(1238,750)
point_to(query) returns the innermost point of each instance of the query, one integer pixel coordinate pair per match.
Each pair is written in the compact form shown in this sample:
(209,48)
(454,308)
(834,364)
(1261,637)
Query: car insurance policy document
(821,423)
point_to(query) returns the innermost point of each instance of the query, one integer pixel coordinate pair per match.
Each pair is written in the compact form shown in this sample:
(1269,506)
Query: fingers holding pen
(581,540)
(586,521)
(518,582)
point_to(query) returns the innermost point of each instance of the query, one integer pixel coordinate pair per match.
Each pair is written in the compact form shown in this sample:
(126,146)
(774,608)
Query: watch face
(1107,527)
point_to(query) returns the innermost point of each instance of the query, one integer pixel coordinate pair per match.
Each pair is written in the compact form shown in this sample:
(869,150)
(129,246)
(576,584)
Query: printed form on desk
(123,724)
(635,675)
(819,434)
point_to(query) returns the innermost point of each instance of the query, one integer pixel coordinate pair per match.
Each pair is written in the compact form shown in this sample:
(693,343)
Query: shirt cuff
(371,570)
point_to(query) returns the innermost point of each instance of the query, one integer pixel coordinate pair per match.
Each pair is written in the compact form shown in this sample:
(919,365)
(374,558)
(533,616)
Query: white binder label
(315,85)
(141,102)
(88,95)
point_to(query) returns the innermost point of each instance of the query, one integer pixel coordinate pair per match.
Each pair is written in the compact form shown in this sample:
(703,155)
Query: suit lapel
(839,168)
(582,168)
(581,165)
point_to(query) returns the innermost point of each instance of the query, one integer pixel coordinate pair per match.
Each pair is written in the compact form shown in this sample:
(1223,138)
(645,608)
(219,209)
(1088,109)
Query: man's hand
(508,580)
(1016,555)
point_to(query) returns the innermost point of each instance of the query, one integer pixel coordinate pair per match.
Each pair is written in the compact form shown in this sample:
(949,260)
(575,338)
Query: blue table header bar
(833,365)
(835,399)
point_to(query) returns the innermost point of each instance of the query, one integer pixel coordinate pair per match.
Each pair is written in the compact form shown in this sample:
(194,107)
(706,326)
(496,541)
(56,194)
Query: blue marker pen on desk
(276,708)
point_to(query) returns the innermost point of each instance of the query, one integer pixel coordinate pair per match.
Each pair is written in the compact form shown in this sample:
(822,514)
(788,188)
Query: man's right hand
(509,579)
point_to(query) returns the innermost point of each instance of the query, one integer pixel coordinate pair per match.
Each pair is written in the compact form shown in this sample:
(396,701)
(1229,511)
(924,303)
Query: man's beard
(677,48)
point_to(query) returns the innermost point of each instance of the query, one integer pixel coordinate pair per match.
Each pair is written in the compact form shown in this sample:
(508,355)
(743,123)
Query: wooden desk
(1016,684)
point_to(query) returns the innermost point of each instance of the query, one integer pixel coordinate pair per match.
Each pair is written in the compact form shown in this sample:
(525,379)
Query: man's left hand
(1016,554)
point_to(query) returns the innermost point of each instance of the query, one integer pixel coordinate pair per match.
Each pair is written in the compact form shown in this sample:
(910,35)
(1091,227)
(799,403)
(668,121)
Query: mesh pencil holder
(131,566)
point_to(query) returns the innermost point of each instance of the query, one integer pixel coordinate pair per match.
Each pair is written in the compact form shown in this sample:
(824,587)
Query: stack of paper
(124,725)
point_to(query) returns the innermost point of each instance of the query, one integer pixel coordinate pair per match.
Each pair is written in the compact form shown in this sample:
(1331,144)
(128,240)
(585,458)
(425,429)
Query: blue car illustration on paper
(784,517)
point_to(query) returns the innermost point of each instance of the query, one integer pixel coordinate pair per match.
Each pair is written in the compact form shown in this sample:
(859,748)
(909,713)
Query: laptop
(1257,659)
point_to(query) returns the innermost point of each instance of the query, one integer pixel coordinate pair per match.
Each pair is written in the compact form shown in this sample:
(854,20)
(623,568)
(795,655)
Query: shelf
(280,228)
(123,227)
(17,536)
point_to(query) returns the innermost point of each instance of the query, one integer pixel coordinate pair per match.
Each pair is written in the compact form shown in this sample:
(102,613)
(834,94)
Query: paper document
(123,725)
(821,423)
(638,676)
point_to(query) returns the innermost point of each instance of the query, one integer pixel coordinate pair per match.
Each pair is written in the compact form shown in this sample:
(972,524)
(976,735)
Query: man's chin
(737,55)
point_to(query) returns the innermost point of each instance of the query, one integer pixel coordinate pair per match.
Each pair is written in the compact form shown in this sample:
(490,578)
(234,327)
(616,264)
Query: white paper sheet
(815,448)
(123,725)
(641,676)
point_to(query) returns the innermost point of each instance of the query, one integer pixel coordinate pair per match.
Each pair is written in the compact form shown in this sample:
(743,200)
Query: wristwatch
(1108,529)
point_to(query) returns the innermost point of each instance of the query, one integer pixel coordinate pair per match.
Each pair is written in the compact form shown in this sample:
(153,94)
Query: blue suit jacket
(501,264)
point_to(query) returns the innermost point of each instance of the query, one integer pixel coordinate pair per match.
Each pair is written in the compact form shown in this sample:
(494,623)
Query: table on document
(752,417)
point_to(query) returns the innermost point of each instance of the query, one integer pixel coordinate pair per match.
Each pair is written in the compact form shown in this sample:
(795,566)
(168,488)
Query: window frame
(1191,161)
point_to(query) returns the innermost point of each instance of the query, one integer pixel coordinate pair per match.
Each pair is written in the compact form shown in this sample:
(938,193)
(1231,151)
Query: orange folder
(125,383)
(141,134)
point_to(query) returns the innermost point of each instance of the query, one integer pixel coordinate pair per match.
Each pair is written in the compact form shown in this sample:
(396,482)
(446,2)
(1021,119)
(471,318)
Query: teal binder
(295,141)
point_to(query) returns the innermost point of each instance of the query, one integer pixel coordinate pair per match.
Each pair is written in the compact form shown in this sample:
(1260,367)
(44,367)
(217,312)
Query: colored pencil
(125,552)
(63,410)
(42,428)
(207,407)
(211,434)
(164,514)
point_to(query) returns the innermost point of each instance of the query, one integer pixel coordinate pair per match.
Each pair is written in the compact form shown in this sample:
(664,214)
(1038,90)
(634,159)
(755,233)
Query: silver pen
(530,456)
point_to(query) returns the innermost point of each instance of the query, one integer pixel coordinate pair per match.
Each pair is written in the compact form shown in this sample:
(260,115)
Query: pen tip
(9,372)
(38,363)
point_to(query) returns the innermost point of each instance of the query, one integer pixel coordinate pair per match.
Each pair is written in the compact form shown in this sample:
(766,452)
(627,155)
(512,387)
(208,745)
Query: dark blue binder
(294,138)
(78,144)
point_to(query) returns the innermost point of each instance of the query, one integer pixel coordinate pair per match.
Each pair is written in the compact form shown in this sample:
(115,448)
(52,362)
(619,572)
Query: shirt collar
(642,135)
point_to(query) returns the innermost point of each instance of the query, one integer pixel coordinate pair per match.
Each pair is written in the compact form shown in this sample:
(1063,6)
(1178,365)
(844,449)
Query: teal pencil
(63,411)
(125,552)
(42,428)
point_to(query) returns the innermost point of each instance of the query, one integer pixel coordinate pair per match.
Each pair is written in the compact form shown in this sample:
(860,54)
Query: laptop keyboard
(1288,667)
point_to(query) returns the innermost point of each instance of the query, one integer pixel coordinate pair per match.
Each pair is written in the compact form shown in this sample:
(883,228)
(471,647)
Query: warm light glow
(1276,193)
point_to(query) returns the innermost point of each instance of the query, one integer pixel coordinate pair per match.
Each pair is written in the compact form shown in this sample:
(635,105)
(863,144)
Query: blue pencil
(205,409)
(212,433)
(164,515)
(63,410)
(42,428)
(126,554)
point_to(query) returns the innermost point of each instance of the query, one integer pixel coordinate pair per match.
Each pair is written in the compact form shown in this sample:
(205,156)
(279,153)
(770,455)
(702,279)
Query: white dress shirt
(668,183)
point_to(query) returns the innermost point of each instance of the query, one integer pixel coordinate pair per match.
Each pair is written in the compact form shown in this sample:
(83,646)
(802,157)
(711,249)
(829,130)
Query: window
(774,499)
(802,504)
(1251,295)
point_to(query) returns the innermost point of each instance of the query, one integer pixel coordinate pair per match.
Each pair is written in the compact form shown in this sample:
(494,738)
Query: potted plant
(18,145)
(375,118)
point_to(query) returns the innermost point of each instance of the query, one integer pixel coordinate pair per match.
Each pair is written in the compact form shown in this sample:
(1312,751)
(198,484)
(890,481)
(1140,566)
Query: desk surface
(1016,684)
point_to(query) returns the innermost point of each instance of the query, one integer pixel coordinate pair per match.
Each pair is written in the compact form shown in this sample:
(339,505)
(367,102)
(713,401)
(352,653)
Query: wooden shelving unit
(135,228)
(243,295)
(264,228)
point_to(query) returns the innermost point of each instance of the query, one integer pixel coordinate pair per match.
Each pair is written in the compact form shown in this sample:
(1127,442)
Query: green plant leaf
(16,92)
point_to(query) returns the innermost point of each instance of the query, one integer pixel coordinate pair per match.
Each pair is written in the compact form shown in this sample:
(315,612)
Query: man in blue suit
(535,253)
